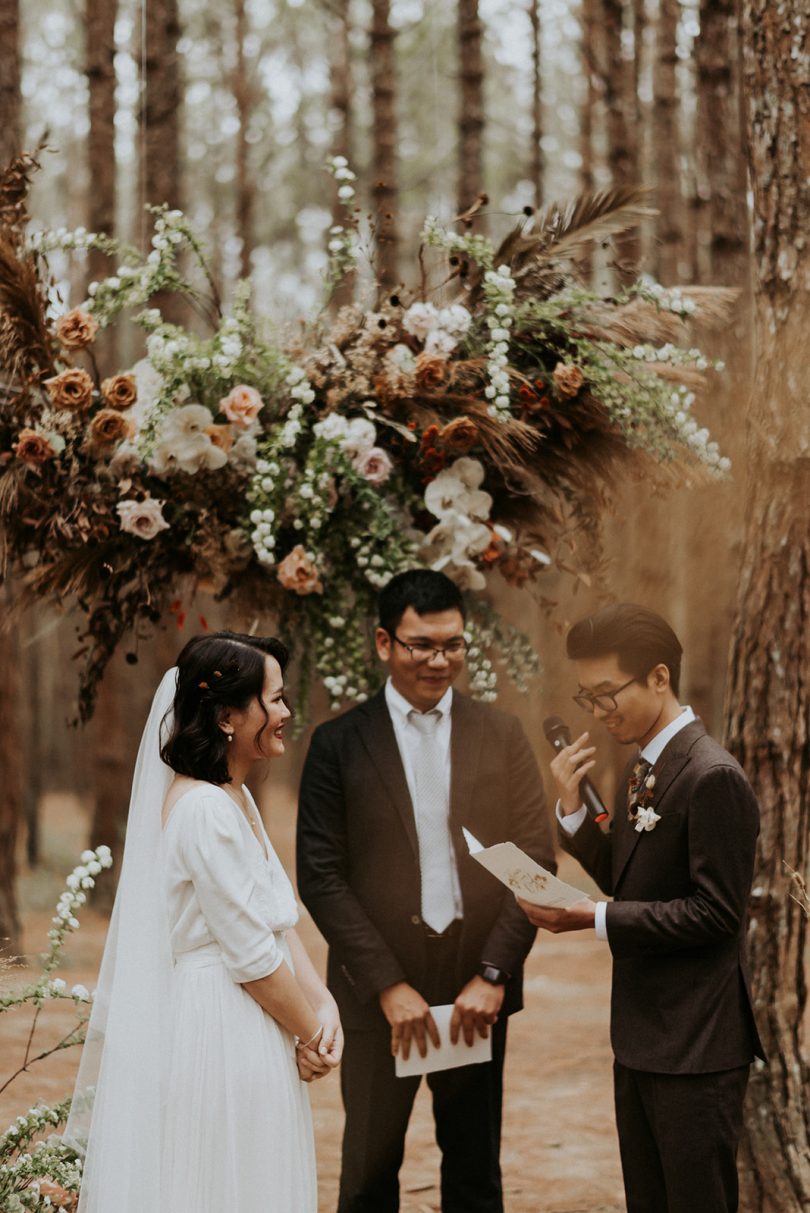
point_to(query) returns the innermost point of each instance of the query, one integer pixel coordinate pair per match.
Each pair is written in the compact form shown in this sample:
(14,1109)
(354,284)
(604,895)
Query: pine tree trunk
(244,94)
(100,18)
(341,85)
(384,135)
(619,87)
(11,780)
(589,20)
(471,111)
(768,712)
(537,159)
(720,153)
(666,145)
(161,105)
(10,92)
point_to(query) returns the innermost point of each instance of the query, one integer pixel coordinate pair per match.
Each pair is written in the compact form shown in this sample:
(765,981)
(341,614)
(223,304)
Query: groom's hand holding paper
(548,903)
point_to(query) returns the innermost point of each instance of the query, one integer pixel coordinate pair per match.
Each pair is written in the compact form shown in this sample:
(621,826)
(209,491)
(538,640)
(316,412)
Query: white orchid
(646,819)
(184,444)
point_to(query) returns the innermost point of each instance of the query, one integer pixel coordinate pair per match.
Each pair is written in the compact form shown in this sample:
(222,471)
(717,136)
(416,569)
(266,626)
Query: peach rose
(71,389)
(34,448)
(220,435)
(60,1197)
(567,379)
(142,518)
(459,435)
(298,573)
(77,329)
(430,372)
(120,391)
(241,405)
(374,465)
(108,426)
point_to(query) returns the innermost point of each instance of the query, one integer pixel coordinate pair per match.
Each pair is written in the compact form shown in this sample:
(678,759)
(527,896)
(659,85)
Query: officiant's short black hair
(639,637)
(215,671)
(423,589)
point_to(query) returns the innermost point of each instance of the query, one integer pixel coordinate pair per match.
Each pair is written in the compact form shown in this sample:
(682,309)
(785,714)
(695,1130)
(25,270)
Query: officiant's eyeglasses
(606,701)
(454,650)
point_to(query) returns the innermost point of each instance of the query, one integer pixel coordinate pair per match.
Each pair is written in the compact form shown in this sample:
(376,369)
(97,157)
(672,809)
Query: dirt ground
(559,1145)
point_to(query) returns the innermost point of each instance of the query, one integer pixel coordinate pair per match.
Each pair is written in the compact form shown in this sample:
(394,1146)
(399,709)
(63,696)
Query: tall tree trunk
(619,86)
(245,95)
(11,778)
(537,159)
(100,18)
(589,34)
(384,133)
(666,145)
(471,105)
(768,713)
(161,105)
(721,158)
(10,91)
(341,88)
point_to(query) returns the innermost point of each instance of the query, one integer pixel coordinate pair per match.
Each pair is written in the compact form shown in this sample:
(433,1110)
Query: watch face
(495,977)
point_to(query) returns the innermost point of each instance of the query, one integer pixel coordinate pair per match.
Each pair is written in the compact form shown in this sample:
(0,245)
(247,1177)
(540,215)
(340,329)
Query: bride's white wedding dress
(237,1126)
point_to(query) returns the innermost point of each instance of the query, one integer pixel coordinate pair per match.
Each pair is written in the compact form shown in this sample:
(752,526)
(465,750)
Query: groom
(678,862)
(411,920)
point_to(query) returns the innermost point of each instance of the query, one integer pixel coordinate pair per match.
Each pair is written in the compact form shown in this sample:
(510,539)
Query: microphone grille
(553,724)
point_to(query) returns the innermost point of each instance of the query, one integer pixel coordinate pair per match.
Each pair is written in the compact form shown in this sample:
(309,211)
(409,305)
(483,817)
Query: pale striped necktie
(431,812)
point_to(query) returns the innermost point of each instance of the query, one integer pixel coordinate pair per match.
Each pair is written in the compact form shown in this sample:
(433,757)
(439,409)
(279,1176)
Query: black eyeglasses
(454,650)
(606,701)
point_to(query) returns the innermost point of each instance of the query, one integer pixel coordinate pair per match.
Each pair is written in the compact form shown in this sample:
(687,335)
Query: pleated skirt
(238,1129)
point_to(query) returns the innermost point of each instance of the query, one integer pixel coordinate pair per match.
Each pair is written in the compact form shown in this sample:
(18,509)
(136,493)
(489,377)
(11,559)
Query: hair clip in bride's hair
(203,686)
(217,673)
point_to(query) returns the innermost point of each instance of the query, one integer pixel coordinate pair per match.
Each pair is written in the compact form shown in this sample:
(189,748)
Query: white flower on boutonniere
(646,819)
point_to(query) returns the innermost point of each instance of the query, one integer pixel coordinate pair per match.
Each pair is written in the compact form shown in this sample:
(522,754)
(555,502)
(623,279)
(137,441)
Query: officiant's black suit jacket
(680,1001)
(358,858)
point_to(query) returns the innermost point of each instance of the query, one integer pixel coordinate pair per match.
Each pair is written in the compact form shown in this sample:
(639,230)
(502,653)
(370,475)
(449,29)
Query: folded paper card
(519,872)
(448,1055)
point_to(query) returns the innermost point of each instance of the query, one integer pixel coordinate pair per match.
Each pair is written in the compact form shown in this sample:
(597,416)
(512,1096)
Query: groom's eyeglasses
(605,701)
(454,650)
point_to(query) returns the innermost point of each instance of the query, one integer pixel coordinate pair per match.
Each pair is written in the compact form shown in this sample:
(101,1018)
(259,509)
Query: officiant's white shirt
(651,753)
(408,740)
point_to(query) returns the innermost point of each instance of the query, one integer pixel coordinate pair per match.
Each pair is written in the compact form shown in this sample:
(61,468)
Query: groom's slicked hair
(215,671)
(639,637)
(423,589)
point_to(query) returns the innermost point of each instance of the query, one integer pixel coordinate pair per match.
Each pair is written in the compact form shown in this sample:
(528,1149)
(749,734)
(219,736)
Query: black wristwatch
(492,974)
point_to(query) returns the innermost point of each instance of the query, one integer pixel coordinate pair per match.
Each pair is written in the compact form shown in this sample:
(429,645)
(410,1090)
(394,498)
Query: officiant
(411,920)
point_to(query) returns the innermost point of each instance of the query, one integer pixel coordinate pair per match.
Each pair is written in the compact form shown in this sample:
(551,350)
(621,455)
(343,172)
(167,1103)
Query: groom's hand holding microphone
(569,769)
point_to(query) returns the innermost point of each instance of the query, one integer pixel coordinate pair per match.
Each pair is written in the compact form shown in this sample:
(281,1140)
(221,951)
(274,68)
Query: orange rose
(430,372)
(33,448)
(459,435)
(241,405)
(71,389)
(120,391)
(60,1197)
(567,380)
(77,329)
(108,426)
(220,435)
(298,573)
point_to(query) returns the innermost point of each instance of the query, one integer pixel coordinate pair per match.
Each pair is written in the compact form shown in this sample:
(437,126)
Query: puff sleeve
(212,849)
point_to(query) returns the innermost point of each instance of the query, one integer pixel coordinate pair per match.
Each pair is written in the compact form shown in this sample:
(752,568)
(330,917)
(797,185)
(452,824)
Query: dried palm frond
(15,184)
(26,346)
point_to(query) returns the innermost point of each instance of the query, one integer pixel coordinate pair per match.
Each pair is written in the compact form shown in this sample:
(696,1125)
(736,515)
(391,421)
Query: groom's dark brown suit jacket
(680,1000)
(358,856)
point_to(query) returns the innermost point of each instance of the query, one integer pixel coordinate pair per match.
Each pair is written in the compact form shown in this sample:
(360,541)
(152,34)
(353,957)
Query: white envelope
(448,1055)
(519,872)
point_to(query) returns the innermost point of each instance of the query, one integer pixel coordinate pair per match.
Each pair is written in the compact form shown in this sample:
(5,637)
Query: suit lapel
(377,735)
(465,750)
(666,769)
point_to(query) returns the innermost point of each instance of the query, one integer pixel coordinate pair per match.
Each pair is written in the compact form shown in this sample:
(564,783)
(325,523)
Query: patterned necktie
(637,778)
(431,811)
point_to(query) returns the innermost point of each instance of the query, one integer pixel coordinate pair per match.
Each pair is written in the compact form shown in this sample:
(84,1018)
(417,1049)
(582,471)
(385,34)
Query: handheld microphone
(558,736)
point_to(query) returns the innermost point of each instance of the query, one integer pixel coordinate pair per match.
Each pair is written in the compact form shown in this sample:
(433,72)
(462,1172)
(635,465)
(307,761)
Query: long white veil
(116,1116)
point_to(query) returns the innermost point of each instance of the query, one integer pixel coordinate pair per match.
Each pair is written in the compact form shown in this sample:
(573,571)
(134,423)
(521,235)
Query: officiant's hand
(577,917)
(475,1010)
(410,1019)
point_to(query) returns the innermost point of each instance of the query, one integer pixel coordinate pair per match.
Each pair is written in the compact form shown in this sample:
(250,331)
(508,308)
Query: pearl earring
(229,736)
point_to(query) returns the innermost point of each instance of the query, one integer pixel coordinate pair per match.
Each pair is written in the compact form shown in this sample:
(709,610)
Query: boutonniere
(646,819)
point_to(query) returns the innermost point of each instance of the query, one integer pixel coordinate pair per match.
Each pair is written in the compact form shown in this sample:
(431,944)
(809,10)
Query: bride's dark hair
(215,671)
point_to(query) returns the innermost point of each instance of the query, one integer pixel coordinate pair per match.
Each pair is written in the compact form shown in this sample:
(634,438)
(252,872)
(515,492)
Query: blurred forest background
(229,111)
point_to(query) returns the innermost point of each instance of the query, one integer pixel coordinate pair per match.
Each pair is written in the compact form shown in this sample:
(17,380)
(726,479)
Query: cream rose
(142,518)
(242,405)
(374,465)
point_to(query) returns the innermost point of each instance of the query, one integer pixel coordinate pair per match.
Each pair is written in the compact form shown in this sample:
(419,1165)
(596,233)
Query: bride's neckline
(251,821)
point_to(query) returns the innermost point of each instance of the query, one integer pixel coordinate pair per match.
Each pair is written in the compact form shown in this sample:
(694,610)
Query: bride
(209,1016)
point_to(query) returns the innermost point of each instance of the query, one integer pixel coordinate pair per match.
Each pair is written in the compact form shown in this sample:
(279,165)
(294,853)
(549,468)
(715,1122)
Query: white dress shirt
(408,741)
(651,753)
